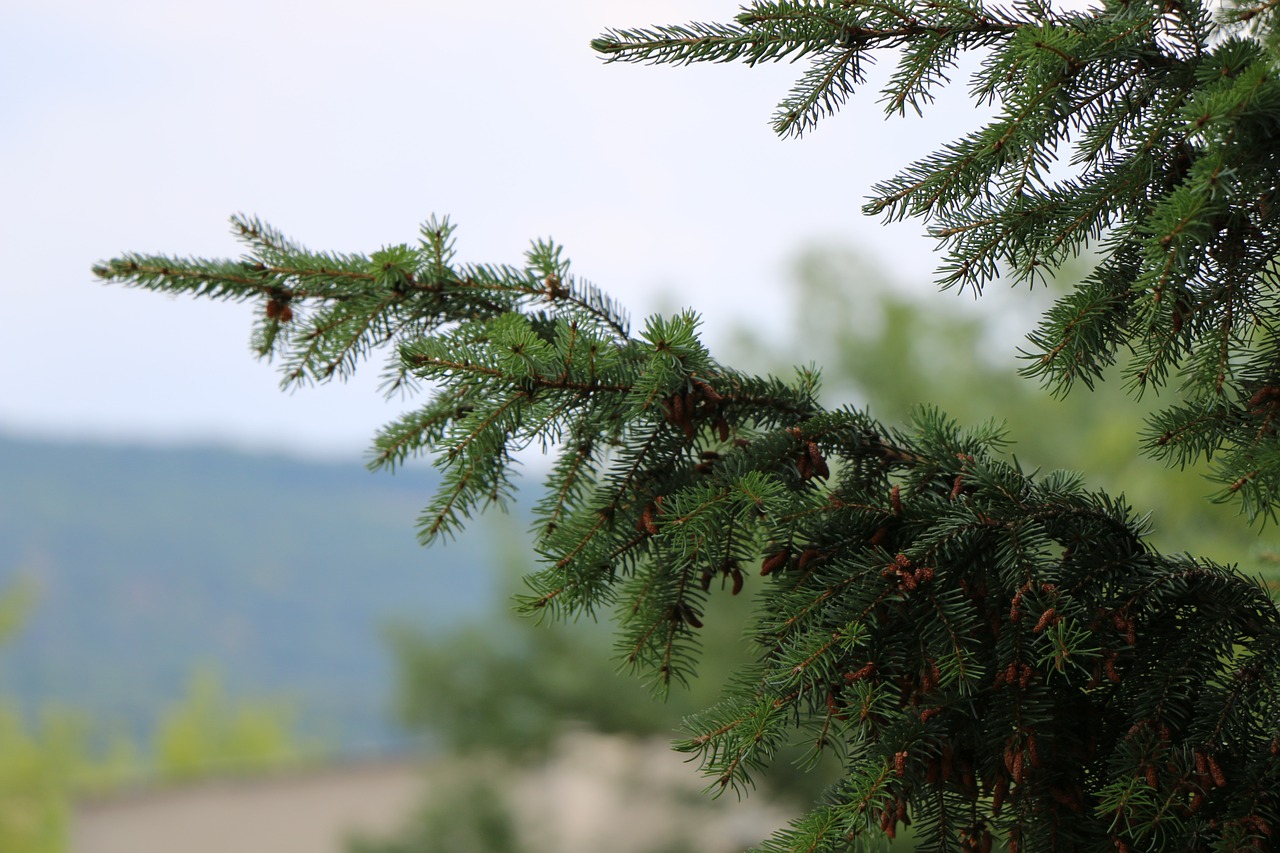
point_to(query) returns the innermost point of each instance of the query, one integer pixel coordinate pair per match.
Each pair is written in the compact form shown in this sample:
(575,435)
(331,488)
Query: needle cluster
(998,658)
(1143,131)
(995,657)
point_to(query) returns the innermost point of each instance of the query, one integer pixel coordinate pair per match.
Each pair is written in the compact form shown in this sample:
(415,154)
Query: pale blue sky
(142,124)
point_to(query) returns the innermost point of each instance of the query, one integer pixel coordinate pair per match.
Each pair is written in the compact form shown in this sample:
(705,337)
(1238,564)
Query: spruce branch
(999,658)
(1143,132)
(996,656)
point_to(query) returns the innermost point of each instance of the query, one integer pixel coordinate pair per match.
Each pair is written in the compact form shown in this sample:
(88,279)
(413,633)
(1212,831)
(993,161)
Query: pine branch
(1135,130)
(1000,658)
(964,634)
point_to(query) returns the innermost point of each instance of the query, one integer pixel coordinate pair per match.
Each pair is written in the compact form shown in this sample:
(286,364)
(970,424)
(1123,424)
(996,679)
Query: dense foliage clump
(998,658)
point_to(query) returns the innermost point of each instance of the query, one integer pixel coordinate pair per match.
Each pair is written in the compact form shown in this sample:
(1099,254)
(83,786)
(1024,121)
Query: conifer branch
(999,658)
(1140,95)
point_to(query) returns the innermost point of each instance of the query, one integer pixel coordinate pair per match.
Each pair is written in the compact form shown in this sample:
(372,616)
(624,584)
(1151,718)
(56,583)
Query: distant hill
(277,572)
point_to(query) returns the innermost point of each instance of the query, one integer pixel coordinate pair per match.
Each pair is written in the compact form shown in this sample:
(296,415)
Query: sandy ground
(595,794)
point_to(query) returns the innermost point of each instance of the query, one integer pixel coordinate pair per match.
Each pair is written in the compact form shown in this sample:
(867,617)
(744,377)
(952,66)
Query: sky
(141,125)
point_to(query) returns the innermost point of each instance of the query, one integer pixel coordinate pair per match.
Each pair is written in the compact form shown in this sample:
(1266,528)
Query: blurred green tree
(882,347)
(205,733)
(47,764)
(469,816)
(510,686)
(37,762)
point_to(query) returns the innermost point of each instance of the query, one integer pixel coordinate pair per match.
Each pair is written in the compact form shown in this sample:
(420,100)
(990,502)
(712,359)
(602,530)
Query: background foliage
(67,753)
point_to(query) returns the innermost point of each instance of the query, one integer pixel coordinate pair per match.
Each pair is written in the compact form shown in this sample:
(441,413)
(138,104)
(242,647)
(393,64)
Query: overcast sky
(142,124)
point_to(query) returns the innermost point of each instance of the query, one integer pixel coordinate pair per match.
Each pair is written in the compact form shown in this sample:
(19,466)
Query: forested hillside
(278,574)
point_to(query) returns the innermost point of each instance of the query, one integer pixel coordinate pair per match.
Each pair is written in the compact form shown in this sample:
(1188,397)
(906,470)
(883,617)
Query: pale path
(309,812)
(594,793)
